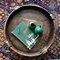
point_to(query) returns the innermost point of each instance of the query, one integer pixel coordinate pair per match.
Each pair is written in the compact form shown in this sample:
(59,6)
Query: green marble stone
(39,30)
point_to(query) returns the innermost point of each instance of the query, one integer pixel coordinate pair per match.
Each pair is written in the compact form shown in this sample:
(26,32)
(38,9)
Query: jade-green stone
(38,30)
(32,25)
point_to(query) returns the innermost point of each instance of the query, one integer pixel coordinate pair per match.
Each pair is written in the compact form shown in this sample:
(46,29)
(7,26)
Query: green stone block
(25,35)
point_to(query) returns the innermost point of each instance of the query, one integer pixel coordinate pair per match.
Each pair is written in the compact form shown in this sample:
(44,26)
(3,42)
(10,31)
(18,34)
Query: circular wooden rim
(19,52)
